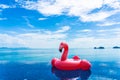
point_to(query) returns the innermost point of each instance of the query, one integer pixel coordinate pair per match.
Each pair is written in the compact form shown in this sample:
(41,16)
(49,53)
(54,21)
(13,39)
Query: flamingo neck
(65,53)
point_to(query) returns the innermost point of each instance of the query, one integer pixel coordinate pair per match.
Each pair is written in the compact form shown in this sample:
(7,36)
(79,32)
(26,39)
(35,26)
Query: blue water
(35,64)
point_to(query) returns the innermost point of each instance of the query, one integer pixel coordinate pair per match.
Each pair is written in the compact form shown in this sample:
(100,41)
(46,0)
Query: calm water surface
(35,65)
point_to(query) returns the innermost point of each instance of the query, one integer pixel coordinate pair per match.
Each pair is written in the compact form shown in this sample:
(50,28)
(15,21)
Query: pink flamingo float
(69,64)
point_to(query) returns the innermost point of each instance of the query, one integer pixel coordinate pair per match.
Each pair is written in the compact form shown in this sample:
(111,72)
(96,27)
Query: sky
(46,23)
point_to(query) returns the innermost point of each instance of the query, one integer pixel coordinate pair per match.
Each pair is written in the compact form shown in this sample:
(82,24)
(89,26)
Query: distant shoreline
(21,48)
(26,48)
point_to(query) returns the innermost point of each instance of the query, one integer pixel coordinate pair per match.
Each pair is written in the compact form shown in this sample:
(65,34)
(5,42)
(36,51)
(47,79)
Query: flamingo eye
(61,44)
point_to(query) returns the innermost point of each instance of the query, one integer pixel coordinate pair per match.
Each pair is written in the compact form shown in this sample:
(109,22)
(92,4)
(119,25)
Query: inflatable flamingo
(69,64)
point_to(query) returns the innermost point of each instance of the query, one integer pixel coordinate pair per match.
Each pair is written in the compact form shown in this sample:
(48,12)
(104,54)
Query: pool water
(35,64)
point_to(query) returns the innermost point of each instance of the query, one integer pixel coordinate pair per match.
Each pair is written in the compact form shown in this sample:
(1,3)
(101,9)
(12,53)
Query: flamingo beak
(60,49)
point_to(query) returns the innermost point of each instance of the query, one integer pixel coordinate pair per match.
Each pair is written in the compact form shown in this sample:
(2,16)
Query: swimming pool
(35,64)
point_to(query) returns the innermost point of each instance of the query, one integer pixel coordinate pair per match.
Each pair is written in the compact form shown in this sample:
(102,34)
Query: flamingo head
(62,45)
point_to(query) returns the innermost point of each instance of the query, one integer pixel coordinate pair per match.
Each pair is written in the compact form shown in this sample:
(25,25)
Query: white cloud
(58,7)
(108,23)
(98,16)
(100,33)
(51,39)
(30,40)
(91,42)
(3,6)
(64,29)
(28,4)
(10,41)
(85,30)
(28,22)
(110,31)
(71,7)
(80,8)
(42,36)
(41,19)
(113,3)
(41,39)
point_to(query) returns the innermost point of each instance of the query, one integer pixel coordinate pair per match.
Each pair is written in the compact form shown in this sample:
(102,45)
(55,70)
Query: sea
(35,64)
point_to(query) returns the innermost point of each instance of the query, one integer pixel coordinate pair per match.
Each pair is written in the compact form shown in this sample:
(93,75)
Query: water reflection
(72,74)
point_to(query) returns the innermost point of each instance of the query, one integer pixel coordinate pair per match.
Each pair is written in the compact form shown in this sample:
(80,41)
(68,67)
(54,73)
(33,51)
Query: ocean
(35,64)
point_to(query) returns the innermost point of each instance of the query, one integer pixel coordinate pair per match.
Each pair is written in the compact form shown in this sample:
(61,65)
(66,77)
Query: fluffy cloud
(84,9)
(101,33)
(100,16)
(108,23)
(92,42)
(41,19)
(64,29)
(30,40)
(51,39)
(3,6)
(85,30)
(35,40)
(10,41)
(41,39)
(113,3)
(28,22)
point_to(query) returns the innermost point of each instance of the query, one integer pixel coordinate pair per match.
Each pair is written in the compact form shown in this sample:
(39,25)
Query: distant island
(99,47)
(116,47)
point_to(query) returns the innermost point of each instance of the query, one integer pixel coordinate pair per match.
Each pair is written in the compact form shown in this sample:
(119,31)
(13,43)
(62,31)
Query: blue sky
(45,23)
